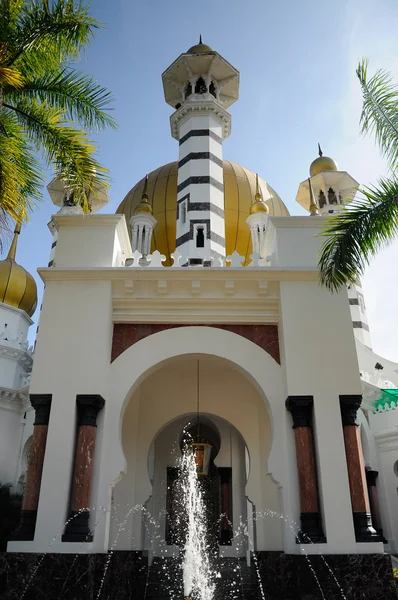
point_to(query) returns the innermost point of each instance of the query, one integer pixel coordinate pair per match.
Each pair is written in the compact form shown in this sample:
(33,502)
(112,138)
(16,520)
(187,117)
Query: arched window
(321,199)
(188,90)
(212,89)
(332,196)
(200,87)
(200,237)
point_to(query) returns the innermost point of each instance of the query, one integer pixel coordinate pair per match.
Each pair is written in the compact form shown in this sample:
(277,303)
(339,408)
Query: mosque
(198,299)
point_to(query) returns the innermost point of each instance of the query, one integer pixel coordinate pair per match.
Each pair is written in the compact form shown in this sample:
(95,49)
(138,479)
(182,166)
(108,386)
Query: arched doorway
(158,410)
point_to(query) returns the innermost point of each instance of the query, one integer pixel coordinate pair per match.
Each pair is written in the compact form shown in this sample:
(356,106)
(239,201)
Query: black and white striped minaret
(200,85)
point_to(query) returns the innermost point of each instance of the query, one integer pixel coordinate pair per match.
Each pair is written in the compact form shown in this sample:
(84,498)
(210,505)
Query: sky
(298,87)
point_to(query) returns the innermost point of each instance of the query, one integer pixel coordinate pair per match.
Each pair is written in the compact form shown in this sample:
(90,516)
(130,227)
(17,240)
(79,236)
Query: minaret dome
(17,286)
(322,163)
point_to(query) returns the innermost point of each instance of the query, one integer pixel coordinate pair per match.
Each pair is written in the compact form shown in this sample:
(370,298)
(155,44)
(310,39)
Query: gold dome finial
(17,286)
(258,204)
(200,39)
(314,212)
(322,163)
(13,248)
(144,207)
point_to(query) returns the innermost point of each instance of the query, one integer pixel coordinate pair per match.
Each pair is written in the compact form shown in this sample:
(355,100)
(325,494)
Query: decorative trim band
(200,133)
(200,156)
(200,179)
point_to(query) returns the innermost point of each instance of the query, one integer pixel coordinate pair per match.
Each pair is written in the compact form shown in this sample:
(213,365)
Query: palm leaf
(68,149)
(355,235)
(82,99)
(380,111)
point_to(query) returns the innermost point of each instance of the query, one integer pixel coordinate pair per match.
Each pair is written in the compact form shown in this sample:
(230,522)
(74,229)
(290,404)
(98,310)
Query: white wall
(321,361)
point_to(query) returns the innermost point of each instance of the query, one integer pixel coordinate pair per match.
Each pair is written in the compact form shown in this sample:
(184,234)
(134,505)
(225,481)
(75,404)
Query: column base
(78,529)
(311,529)
(25,532)
(364,531)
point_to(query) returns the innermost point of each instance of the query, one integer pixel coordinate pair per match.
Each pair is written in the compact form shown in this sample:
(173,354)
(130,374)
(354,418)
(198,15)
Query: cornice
(22,357)
(200,107)
(88,220)
(387,440)
(154,273)
(14,400)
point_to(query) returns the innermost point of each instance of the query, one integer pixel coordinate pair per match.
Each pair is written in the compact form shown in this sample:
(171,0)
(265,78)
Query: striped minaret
(200,85)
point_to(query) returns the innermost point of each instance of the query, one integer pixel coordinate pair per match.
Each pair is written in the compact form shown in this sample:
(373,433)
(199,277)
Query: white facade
(194,314)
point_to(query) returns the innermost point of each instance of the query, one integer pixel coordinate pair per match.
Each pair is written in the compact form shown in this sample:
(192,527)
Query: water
(198,576)
(199,562)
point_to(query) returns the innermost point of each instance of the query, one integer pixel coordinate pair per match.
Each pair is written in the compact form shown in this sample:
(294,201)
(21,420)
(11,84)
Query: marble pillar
(26,528)
(311,525)
(364,531)
(78,530)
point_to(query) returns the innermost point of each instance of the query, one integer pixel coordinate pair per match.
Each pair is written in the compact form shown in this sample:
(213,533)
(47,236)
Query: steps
(237,581)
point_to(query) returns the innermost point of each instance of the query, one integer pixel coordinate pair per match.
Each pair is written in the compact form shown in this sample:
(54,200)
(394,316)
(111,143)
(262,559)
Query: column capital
(89,406)
(42,405)
(349,407)
(301,409)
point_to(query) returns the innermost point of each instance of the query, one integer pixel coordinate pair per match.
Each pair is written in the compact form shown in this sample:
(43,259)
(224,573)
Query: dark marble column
(26,528)
(311,526)
(78,529)
(364,531)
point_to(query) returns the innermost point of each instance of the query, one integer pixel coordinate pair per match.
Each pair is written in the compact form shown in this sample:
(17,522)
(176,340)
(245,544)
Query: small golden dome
(239,190)
(17,286)
(200,48)
(258,204)
(144,208)
(322,163)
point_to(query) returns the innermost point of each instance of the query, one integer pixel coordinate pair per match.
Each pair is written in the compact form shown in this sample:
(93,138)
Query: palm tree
(356,234)
(46,107)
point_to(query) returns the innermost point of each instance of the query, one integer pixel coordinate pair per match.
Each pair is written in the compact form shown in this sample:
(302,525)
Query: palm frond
(82,99)
(379,111)
(355,235)
(46,34)
(66,148)
(20,174)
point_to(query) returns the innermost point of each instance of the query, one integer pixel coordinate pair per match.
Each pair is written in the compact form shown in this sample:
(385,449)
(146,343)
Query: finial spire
(258,195)
(320,150)
(200,39)
(313,207)
(144,192)
(13,248)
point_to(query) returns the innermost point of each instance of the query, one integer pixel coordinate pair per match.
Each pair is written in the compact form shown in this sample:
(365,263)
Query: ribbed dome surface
(17,286)
(239,191)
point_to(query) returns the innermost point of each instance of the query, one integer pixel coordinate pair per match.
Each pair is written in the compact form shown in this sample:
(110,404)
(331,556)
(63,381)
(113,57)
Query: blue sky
(297,62)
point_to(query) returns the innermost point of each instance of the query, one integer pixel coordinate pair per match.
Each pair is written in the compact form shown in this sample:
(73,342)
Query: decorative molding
(42,405)
(387,441)
(200,106)
(89,406)
(349,406)
(301,409)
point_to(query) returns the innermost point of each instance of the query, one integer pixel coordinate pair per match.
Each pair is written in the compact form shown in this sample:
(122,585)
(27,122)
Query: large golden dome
(17,286)
(239,192)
